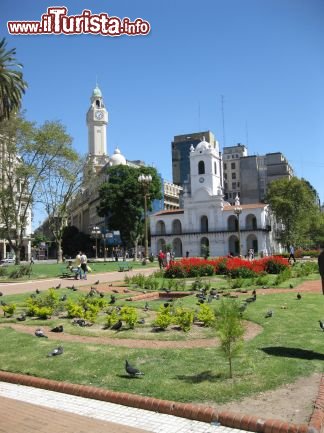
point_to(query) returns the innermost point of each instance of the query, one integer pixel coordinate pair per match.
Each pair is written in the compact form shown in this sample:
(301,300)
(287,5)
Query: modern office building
(180,154)
(231,165)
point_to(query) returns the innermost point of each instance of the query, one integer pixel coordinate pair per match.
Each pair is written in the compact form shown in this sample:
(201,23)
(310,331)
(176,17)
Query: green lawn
(44,270)
(291,345)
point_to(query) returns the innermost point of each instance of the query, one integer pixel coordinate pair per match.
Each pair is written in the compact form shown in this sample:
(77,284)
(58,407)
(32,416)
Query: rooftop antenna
(198,115)
(223,119)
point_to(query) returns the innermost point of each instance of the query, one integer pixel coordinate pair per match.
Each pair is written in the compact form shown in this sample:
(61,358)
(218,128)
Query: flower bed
(234,266)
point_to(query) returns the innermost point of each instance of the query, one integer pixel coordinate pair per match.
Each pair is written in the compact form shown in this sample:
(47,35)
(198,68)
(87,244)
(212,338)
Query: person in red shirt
(161,257)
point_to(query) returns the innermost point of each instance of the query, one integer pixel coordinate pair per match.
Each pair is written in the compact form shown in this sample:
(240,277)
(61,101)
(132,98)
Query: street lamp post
(145,181)
(95,233)
(238,211)
(105,236)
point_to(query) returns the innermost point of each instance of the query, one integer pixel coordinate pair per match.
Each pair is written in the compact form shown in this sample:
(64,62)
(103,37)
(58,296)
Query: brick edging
(184,410)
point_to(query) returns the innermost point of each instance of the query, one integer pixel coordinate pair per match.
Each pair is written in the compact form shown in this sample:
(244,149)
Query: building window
(225,166)
(233,175)
(234,185)
(201,167)
(225,175)
(215,167)
(233,165)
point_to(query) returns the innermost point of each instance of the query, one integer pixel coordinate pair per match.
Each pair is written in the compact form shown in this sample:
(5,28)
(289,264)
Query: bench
(125,267)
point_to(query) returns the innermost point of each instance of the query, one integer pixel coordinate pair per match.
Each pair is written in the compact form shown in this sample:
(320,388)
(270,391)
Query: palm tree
(12,85)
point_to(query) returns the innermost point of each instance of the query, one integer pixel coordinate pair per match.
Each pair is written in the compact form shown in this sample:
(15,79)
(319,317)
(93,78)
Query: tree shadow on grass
(200,377)
(293,352)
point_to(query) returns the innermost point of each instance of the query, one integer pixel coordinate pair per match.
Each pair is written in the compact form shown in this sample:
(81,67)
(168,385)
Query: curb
(184,410)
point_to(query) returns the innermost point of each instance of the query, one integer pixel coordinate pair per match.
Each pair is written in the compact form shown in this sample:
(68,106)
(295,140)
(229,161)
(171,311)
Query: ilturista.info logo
(57,21)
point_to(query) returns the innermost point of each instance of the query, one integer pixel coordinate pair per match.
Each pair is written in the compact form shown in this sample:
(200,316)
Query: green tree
(122,200)
(12,85)
(294,203)
(229,329)
(60,181)
(26,153)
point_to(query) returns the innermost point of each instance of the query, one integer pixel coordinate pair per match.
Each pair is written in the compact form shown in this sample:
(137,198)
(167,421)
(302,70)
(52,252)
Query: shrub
(283,276)
(20,271)
(163,319)
(262,280)
(197,284)
(206,315)
(9,310)
(184,318)
(43,312)
(179,285)
(3,271)
(236,283)
(275,264)
(129,315)
(74,310)
(112,317)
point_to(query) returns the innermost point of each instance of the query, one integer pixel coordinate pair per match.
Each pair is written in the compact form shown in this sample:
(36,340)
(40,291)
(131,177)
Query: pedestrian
(321,267)
(292,254)
(168,258)
(84,267)
(78,266)
(161,257)
(187,254)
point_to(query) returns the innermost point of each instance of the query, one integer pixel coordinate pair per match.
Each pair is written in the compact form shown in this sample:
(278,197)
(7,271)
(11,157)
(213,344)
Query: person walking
(292,254)
(321,267)
(78,265)
(161,258)
(84,267)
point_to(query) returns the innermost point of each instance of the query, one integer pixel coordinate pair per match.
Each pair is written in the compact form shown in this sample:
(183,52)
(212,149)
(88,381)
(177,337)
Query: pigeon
(3,303)
(291,286)
(299,296)
(56,352)
(40,333)
(141,321)
(22,317)
(58,286)
(58,328)
(126,291)
(37,291)
(115,291)
(80,322)
(97,282)
(321,325)
(117,326)
(268,314)
(101,294)
(166,305)
(33,296)
(252,299)
(146,306)
(74,288)
(110,285)
(112,299)
(132,371)
(1,294)
(63,298)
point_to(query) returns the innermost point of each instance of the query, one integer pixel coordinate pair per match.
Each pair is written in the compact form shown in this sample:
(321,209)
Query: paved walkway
(105,277)
(27,410)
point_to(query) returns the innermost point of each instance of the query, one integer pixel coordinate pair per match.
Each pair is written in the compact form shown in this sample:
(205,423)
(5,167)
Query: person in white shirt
(84,267)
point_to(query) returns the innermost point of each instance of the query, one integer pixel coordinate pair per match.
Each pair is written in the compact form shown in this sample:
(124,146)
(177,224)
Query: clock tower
(97,120)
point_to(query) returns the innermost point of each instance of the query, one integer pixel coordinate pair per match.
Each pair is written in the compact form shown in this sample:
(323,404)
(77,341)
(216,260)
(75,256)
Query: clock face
(201,180)
(99,115)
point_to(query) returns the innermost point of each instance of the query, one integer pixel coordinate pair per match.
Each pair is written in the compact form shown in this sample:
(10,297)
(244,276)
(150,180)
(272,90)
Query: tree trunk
(135,249)
(59,251)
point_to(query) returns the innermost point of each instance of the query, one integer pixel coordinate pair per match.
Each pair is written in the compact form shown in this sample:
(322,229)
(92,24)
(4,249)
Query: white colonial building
(207,221)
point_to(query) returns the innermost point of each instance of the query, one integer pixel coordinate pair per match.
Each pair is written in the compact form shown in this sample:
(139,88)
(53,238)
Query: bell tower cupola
(97,121)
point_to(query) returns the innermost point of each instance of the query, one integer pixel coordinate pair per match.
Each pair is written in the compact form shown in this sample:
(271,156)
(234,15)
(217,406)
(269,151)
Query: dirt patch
(291,403)
(251,331)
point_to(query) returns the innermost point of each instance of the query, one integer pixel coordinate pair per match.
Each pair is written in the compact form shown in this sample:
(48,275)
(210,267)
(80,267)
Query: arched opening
(176,227)
(204,224)
(232,224)
(233,245)
(160,228)
(252,243)
(177,247)
(201,167)
(161,245)
(251,222)
(204,247)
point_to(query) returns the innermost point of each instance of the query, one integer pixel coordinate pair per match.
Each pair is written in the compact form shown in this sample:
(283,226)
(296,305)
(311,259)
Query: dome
(117,158)
(97,92)
(203,145)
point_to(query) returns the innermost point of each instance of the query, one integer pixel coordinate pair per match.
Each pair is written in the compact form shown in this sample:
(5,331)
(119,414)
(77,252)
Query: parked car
(6,261)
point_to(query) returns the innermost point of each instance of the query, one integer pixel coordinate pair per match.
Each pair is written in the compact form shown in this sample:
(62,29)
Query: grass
(54,270)
(290,346)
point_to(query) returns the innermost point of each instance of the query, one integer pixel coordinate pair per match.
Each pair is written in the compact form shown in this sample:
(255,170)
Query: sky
(251,71)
